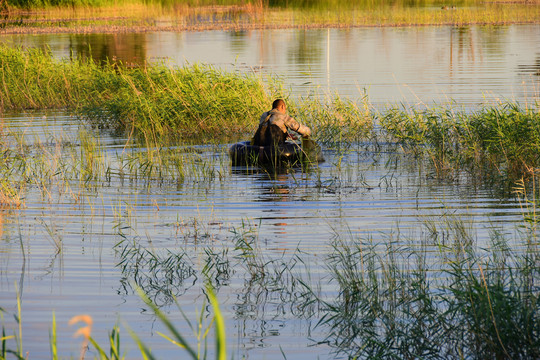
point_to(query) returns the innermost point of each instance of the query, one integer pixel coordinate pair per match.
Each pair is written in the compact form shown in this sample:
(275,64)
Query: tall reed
(396,301)
(502,139)
(154,101)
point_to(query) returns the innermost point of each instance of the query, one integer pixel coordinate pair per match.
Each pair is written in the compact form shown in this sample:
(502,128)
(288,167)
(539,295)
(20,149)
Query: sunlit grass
(154,103)
(502,139)
(233,14)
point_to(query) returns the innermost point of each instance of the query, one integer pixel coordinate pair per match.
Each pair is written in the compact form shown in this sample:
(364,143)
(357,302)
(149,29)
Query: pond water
(468,65)
(82,240)
(76,246)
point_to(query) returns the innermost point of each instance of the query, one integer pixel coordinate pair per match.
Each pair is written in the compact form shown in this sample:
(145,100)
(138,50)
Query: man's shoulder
(264,116)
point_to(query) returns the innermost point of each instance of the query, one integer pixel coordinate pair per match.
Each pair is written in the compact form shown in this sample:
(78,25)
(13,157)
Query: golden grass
(134,17)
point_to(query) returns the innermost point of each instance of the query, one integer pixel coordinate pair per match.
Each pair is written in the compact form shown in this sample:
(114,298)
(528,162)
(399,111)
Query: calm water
(291,214)
(414,65)
(361,193)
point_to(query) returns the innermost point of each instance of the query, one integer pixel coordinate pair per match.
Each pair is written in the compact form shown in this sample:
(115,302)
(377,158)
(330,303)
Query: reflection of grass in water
(397,299)
(161,274)
(73,166)
(440,295)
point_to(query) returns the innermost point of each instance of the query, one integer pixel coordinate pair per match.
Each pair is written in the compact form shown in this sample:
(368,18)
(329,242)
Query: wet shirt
(284,122)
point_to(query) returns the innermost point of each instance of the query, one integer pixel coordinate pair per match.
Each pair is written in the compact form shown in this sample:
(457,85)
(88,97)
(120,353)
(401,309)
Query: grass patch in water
(155,102)
(438,295)
(503,139)
(394,302)
(158,104)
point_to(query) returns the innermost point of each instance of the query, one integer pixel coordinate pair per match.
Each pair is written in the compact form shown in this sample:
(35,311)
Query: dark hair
(277,103)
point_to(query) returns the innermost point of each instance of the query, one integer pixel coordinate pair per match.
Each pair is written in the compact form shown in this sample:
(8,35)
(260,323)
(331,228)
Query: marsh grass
(394,302)
(439,294)
(159,106)
(155,103)
(336,121)
(395,299)
(237,15)
(500,140)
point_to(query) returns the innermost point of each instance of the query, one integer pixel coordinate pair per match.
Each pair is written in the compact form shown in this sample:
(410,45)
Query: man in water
(274,124)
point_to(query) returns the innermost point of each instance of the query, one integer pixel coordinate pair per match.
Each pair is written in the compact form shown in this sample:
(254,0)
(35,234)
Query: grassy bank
(136,16)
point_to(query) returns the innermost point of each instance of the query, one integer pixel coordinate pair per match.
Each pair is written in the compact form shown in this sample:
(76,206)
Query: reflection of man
(274,124)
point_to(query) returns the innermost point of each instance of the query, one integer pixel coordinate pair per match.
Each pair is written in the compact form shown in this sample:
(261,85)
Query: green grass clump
(474,303)
(190,101)
(155,101)
(501,139)
(337,120)
(32,79)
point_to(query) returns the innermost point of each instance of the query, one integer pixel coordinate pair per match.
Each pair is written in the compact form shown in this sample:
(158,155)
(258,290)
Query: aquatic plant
(335,120)
(248,14)
(161,274)
(501,139)
(392,303)
(153,102)
(438,295)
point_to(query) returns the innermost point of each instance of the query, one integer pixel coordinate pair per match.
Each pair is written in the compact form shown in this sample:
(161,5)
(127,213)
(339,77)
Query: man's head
(279,104)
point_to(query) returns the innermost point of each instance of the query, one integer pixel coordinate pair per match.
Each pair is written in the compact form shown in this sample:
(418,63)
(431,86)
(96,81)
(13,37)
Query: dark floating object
(289,154)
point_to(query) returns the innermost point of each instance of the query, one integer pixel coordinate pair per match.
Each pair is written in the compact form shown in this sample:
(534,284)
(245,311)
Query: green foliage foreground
(397,299)
(503,139)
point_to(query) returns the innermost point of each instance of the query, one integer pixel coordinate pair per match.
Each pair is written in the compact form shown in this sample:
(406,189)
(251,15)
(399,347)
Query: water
(291,214)
(72,233)
(415,65)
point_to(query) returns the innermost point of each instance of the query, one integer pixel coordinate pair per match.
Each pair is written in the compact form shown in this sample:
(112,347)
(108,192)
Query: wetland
(417,237)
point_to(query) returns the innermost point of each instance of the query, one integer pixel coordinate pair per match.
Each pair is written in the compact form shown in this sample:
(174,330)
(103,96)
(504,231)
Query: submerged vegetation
(394,302)
(399,298)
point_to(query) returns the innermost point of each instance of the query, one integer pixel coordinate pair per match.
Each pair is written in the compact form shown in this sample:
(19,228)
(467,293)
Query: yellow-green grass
(155,101)
(133,16)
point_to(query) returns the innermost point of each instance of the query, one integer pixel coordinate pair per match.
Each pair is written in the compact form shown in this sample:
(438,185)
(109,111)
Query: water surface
(416,65)
(295,215)
(64,249)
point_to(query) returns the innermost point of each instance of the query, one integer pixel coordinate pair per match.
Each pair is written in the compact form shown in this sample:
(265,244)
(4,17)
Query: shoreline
(119,29)
(138,18)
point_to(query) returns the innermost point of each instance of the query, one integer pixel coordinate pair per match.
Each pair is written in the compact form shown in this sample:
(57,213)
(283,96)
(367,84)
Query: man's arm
(296,126)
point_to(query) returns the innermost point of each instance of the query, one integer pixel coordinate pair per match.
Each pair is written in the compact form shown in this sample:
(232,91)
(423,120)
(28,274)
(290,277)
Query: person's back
(273,126)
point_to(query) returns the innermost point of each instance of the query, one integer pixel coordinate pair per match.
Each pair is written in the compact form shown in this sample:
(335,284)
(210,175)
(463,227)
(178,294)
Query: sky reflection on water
(416,65)
(295,214)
